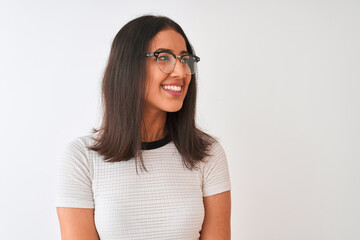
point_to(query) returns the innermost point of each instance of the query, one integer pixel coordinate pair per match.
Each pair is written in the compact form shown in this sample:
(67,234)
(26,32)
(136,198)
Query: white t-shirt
(164,203)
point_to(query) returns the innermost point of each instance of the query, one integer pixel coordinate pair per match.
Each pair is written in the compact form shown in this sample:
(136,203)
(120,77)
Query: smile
(173,91)
(172,88)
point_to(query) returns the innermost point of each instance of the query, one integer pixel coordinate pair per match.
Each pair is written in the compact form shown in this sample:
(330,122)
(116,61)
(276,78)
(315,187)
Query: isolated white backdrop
(278,85)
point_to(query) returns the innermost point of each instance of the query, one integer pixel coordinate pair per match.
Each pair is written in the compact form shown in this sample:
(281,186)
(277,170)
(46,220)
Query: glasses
(167,60)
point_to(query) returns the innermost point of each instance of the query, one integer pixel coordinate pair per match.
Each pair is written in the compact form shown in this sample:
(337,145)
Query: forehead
(169,39)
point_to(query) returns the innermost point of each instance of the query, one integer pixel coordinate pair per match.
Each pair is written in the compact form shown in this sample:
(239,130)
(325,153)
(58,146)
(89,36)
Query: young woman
(149,98)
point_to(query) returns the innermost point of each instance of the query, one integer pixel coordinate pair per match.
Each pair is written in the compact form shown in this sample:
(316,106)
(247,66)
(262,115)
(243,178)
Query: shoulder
(217,147)
(216,152)
(215,171)
(80,143)
(216,159)
(76,152)
(75,175)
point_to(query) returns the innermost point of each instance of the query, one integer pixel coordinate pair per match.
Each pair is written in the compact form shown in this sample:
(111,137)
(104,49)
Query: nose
(179,69)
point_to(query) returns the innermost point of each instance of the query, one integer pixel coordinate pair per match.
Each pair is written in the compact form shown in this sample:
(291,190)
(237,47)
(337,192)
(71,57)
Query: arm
(77,223)
(216,225)
(74,196)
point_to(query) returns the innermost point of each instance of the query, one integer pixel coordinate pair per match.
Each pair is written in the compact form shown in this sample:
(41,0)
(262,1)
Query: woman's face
(156,97)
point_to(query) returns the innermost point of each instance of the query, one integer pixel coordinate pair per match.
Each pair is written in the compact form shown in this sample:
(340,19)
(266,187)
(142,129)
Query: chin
(173,109)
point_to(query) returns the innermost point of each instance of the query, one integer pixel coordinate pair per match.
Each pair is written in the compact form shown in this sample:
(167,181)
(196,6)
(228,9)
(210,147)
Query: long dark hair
(123,92)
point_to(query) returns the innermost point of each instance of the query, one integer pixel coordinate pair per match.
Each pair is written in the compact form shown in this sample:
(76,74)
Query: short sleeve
(216,177)
(74,177)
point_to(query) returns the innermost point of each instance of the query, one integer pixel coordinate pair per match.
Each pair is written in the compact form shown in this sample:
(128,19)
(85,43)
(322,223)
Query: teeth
(172,88)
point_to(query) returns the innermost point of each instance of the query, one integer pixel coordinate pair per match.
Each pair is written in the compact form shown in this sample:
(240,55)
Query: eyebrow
(168,50)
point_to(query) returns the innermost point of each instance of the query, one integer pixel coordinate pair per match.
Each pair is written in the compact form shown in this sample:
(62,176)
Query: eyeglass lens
(166,63)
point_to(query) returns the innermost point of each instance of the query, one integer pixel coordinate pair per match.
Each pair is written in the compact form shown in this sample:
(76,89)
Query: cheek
(188,80)
(153,79)
(155,88)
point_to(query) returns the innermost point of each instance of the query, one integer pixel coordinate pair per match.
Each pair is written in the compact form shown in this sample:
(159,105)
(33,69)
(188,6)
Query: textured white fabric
(164,203)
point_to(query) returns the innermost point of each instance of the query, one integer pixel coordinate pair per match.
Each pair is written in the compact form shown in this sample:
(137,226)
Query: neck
(153,126)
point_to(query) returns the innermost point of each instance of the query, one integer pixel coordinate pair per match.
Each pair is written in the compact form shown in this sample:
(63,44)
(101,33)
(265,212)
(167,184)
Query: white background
(278,85)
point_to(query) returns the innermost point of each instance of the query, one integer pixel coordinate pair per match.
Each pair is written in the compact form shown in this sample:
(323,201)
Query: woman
(149,96)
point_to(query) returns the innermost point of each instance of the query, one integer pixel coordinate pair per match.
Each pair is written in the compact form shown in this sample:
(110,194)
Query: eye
(165,57)
(188,59)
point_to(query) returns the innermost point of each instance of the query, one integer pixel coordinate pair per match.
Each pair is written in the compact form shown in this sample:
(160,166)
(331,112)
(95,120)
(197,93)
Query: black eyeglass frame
(156,55)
